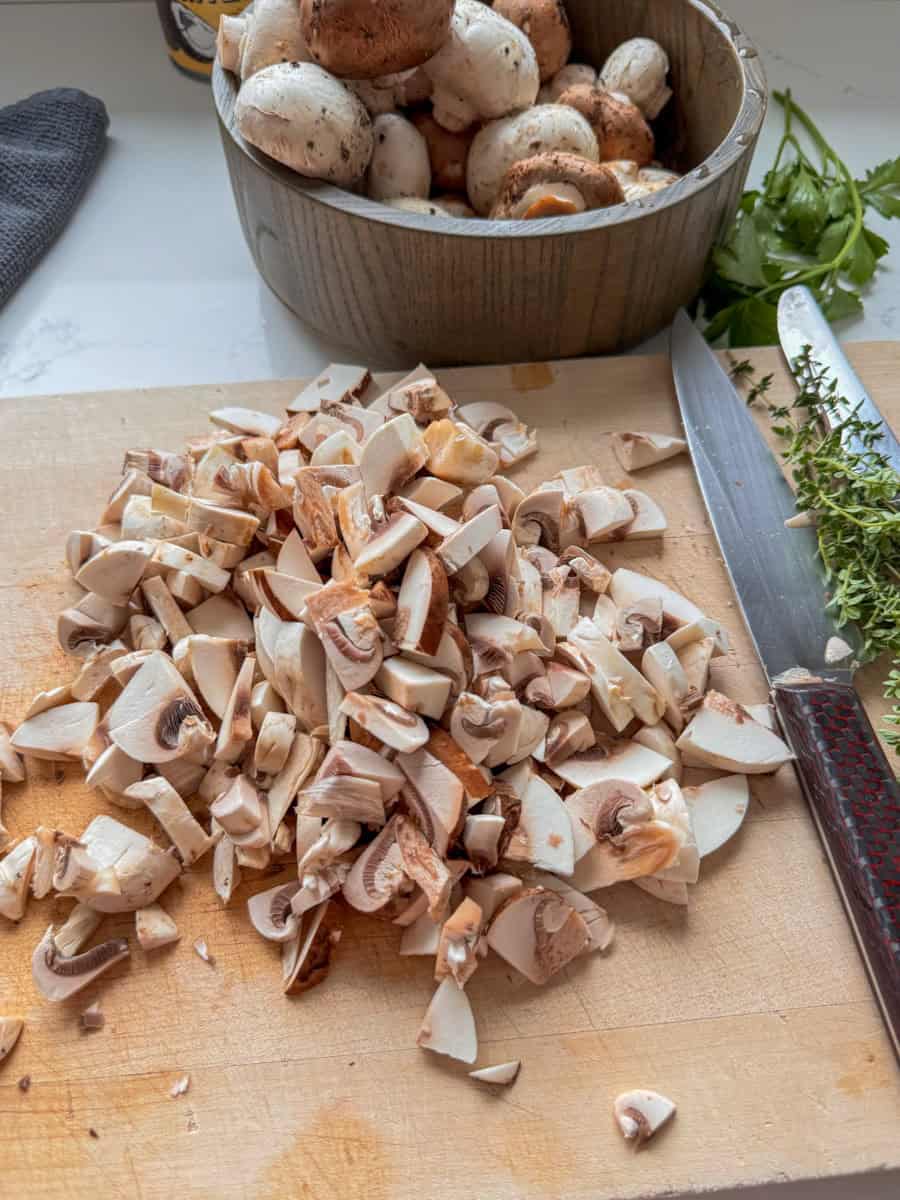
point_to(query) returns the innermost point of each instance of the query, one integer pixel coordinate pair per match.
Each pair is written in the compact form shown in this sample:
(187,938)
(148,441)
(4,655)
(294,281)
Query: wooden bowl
(399,287)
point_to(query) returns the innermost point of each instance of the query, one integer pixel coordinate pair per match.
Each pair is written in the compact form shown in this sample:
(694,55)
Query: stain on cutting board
(865,1069)
(339,1156)
(531,377)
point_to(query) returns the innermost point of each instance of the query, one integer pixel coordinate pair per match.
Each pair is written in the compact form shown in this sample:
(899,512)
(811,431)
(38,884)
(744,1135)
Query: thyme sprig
(843,480)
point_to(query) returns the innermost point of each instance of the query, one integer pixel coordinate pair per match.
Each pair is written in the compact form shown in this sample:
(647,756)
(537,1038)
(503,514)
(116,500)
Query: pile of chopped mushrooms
(448,109)
(345,639)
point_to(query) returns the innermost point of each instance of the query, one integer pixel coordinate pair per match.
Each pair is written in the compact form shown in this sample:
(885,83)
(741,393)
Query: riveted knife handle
(855,800)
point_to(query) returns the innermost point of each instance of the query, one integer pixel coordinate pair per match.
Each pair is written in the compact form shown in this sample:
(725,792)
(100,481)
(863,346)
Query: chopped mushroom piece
(638,450)
(433,795)
(306,961)
(424,866)
(502,1075)
(57,977)
(378,874)
(538,933)
(58,734)
(154,927)
(10,1029)
(458,943)
(16,870)
(421,604)
(12,769)
(543,836)
(202,951)
(387,721)
(175,817)
(724,735)
(448,1026)
(416,688)
(717,809)
(92,1017)
(458,455)
(271,912)
(640,1114)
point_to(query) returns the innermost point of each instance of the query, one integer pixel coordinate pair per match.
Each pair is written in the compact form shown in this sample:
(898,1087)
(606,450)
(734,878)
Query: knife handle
(855,800)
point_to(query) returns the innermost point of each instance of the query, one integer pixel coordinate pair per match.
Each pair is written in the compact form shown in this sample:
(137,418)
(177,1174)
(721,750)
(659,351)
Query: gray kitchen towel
(50,145)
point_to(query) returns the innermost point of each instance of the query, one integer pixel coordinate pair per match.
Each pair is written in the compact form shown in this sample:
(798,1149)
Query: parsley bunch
(851,494)
(807,225)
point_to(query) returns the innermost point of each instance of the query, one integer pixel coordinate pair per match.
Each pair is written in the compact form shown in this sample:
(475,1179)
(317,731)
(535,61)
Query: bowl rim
(738,142)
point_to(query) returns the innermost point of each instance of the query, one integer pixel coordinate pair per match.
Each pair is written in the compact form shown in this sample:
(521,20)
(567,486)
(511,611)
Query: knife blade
(802,323)
(851,790)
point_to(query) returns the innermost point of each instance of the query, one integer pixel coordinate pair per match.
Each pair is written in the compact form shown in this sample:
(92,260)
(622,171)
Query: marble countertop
(152,284)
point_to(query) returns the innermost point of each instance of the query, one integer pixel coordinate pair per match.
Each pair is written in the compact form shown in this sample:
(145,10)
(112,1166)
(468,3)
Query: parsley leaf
(806,225)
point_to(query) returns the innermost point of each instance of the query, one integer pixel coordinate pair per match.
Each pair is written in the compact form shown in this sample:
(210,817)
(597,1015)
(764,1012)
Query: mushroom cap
(546,26)
(363,39)
(400,165)
(305,118)
(597,186)
(639,68)
(618,124)
(500,144)
(485,68)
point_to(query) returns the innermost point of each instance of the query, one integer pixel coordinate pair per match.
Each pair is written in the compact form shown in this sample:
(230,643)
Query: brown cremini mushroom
(364,39)
(619,125)
(555,184)
(546,25)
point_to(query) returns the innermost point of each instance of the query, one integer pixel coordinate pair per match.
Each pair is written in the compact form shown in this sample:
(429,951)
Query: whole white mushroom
(486,68)
(305,118)
(400,165)
(500,144)
(638,68)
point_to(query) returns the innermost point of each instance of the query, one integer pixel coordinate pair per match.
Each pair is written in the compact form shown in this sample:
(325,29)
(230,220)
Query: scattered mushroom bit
(640,1114)
(404,685)
(386,97)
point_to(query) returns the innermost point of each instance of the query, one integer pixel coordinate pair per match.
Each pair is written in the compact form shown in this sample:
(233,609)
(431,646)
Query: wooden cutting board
(751,1009)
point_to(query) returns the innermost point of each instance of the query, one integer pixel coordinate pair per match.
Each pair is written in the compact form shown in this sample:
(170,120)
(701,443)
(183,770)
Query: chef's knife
(801,323)
(851,789)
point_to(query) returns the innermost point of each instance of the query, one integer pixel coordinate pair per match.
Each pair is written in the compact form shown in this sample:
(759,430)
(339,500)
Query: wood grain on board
(751,1009)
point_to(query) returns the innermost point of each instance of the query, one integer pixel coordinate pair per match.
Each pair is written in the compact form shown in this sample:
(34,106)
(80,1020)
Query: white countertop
(151,284)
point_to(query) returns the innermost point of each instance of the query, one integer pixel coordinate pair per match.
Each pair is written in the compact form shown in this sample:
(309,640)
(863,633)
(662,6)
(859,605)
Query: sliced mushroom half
(271,914)
(57,977)
(538,933)
(378,874)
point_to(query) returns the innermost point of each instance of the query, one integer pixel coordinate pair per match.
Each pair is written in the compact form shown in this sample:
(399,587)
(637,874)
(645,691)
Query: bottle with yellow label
(190,26)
